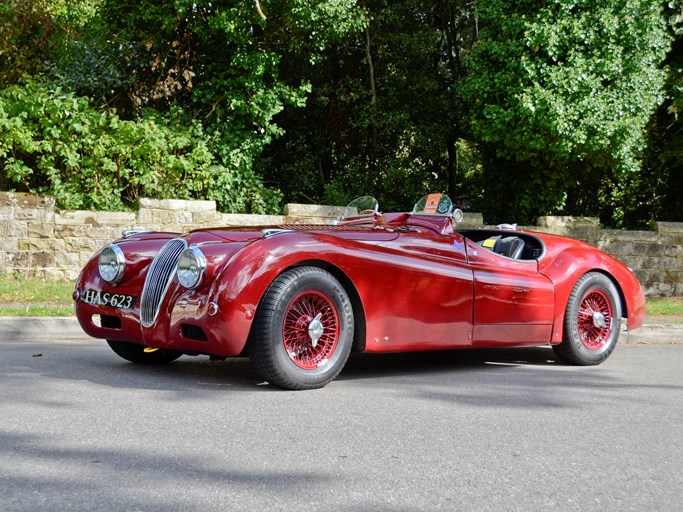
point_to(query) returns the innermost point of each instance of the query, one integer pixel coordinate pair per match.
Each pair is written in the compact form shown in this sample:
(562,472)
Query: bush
(53,142)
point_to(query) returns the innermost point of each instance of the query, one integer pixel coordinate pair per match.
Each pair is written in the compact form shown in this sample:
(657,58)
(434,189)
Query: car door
(513,302)
(417,291)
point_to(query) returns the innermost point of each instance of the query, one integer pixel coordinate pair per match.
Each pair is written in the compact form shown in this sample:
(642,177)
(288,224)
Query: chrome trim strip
(268,232)
(159,277)
(128,233)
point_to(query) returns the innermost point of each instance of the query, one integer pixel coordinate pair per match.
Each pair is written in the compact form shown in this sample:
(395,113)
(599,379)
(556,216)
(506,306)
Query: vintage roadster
(297,299)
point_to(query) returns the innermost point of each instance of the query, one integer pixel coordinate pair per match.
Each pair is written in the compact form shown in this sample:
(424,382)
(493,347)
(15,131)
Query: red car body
(412,281)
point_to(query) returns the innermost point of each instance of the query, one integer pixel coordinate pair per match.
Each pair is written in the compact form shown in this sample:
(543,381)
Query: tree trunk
(452,166)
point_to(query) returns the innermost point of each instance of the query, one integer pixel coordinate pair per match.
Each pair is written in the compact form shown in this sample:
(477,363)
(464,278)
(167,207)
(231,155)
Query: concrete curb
(53,328)
(14,328)
(668,334)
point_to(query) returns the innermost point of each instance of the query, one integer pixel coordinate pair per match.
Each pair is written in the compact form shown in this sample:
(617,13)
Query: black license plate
(114,300)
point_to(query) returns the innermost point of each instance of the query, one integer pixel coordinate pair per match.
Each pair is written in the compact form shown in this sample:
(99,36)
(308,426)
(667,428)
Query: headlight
(112,263)
(191,267)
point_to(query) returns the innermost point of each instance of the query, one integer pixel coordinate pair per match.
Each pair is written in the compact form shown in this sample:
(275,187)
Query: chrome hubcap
(316,329)
(599,320)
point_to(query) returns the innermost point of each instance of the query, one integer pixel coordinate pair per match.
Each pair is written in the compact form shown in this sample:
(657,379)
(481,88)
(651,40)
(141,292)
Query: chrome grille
(158,280)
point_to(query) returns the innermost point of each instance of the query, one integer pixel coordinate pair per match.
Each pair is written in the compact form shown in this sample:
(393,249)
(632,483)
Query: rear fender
(568,267)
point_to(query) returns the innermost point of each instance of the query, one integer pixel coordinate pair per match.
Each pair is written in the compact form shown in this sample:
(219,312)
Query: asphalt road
(81,429)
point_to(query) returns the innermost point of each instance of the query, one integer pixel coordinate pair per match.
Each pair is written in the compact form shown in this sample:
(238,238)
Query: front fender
(239,287)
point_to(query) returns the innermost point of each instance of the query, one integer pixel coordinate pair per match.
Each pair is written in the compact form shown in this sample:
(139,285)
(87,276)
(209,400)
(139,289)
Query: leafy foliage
(560,93)
(25,31)
(384,114)
(174,72)
(525,108)
(54,142)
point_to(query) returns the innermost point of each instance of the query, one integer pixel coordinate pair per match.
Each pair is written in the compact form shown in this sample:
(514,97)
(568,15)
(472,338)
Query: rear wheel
(135,353)
(591,322)
(304,330)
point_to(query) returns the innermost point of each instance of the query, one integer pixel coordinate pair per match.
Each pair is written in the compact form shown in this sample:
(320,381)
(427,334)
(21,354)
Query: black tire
(135,353)
(591,322)
(282,349)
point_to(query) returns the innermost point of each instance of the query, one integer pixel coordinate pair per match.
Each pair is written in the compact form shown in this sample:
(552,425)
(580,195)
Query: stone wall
(656,256)
(36,239)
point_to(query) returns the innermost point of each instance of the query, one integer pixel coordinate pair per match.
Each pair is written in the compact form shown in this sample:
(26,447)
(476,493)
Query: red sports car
(299,298)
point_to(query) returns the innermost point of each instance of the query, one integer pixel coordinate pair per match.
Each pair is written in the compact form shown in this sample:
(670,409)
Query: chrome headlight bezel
(111,264)
(191,267)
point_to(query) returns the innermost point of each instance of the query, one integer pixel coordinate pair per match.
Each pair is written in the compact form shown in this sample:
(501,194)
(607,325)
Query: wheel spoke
(594,320)
(310,330)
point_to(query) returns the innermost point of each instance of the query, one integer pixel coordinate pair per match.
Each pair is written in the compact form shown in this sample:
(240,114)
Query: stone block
(77,217)
(42,259)
(144,217)
(6,213)
(176,228)
(161,204)
(658,250)
(635,262)
(678,290)
(82,245)
(70,231)
(47,215)
(471,220)
(200,206)
(567,222)
(669,227)
(101,233)
(177,204)
(314,210)
(25,200)
(68,260)
(236,219)
(661,263)
(17,229)
(9,244)
(29,214)
(312,221)
(53,274)
(185,218)
(124,219)
(164,217)
(71,274)
(18,260)
(41,244)
(41,230)
(207,219)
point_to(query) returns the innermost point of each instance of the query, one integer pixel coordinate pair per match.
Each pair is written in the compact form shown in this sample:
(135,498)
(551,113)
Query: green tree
(560,93)
(56,143)
(384,114)
(25,32)
(221,61)
(196,76)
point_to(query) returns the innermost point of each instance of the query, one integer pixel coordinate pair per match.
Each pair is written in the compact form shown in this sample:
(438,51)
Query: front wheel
(591,322)
(304,330)
(135,353)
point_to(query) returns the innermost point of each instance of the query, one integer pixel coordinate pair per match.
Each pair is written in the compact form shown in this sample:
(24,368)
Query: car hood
(251,234)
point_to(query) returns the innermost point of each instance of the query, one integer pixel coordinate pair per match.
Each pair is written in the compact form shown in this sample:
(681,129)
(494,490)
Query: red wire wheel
(310,331)
(592,321)
(595,320)
(303,331)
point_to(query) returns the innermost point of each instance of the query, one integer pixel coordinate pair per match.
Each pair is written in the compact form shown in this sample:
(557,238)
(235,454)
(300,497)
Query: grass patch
(31,310)
(26,296)
(665,307)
